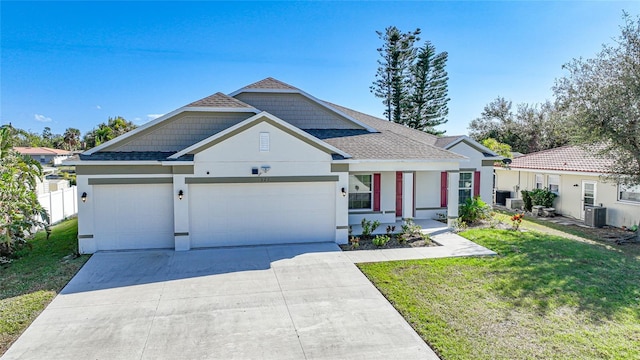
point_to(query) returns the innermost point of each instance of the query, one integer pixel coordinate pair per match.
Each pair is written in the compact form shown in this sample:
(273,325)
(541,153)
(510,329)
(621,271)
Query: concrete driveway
(268,302)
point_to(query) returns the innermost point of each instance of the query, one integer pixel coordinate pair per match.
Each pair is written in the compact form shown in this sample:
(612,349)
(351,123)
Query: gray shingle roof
(270,83)
(133,156)
(393,141)
(219,100)
(443,141)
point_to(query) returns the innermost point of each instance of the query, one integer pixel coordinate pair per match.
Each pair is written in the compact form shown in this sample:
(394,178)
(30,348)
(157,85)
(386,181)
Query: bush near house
(474,210)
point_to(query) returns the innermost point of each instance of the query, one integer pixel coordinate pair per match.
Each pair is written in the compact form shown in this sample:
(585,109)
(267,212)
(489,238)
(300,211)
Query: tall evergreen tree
(428,99)
(393,75)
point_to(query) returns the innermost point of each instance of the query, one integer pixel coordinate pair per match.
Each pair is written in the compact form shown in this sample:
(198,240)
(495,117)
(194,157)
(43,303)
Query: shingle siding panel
(184,131)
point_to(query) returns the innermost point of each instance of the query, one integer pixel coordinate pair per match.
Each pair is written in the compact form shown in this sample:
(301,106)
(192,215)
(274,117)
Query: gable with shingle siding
(180,132)
(297,110)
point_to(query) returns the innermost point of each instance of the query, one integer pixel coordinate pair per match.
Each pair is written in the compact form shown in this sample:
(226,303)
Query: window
(360,192)
(539,181)
(629,193)
(554,184)
(465,187)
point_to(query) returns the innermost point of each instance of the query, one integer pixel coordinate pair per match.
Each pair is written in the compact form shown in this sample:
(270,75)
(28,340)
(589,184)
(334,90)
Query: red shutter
(443,189)
(376,192)
(476,183)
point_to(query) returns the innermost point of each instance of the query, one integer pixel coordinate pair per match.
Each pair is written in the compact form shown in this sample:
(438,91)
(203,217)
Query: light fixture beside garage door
(180,194)
(84,197)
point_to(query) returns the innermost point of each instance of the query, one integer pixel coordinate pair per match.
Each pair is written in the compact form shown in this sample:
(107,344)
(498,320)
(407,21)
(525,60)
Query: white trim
(308,96)
(253,119)
(163,118)
(370,192)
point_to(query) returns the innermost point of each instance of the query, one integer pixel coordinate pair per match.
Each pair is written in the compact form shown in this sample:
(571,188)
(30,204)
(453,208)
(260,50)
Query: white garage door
(271,213)
(133,216)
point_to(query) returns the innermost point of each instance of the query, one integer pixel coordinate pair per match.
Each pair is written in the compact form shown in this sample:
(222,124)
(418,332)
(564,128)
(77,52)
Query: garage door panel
(133,216)
(250,214)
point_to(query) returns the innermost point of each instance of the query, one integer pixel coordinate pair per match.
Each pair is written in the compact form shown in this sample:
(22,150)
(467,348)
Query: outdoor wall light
(84,197)
(575,185)
(180,194)
(344,192)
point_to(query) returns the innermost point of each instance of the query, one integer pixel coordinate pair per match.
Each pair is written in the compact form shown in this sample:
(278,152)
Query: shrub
(526,198)
(473,210)
(410,230)
(380,240)
(542,197)
(368,227)
(354,242)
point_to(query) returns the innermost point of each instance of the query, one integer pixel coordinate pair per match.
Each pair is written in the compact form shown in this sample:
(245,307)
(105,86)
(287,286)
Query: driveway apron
(265,302)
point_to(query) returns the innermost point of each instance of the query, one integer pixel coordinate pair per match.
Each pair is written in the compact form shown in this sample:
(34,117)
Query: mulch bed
(366,244)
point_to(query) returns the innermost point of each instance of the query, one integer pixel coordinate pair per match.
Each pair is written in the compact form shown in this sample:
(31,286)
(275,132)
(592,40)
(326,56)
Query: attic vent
(264,142)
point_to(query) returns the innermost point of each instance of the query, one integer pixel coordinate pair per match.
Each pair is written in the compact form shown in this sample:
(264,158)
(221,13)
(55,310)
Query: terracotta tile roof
(219,100)
(393,141)
(565,158)
(270,83)
(40,151)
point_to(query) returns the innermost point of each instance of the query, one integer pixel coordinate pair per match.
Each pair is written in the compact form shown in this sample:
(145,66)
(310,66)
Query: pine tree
(393,75)
(428,100)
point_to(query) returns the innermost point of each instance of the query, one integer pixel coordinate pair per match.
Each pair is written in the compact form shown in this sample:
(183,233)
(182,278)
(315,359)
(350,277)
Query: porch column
(407,195)
(452,197)
(181,214)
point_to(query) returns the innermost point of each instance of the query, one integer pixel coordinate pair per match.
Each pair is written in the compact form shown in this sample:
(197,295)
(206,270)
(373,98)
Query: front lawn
(32,281)
(542,297)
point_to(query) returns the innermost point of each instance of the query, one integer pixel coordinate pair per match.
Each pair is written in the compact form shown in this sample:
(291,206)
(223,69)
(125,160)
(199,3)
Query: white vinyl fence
(60,204)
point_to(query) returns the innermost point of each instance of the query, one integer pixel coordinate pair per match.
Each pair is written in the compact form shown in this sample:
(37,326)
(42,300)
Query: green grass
(32,281)
(542,297)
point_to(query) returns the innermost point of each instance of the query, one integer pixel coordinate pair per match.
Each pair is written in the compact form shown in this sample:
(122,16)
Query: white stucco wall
(569,201)
(287,156)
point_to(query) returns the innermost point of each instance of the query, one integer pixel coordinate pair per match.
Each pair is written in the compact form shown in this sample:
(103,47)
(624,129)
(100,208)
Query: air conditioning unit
(595,216)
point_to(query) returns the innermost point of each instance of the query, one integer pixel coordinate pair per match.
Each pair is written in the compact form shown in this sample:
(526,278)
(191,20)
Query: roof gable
(252,121)
(273,86)
(270,83)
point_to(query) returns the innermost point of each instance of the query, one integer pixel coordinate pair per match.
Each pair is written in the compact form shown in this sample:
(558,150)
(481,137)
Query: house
(268,163)
(575,176)
(44,155)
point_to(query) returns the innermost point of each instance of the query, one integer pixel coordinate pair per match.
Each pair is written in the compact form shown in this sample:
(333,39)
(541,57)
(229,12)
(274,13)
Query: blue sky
(74,64)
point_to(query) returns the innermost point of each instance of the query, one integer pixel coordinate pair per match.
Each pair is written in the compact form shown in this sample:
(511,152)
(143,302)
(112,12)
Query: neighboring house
(50,181)
(265,164)
(575,175)
(45,155)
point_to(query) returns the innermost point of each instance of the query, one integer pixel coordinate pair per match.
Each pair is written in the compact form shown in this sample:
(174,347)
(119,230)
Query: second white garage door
(263,213)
